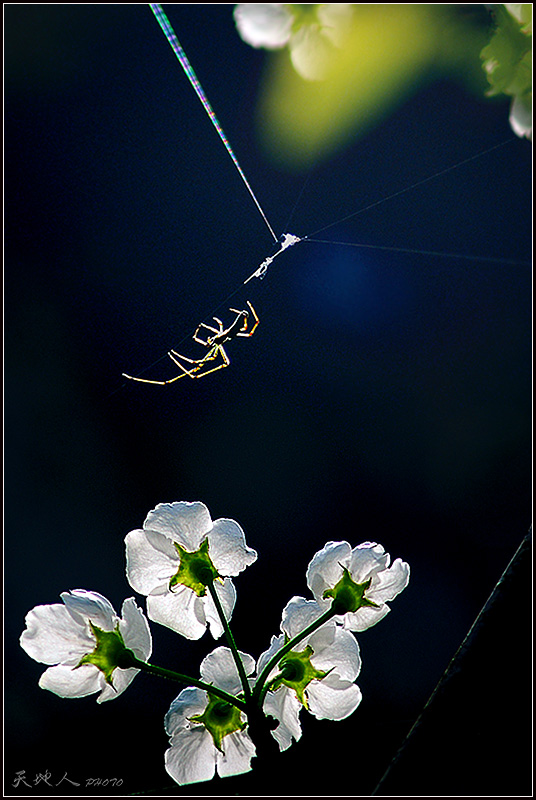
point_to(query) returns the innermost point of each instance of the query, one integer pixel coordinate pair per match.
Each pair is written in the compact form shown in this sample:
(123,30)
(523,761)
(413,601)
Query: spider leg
(244,331)
(199,372)
(157,383)
(174,356)
(196,337)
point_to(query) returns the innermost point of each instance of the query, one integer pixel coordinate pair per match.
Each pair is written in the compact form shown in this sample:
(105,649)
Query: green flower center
(349,596)
(297,672)
(196,570)
(220,719)
(108,653)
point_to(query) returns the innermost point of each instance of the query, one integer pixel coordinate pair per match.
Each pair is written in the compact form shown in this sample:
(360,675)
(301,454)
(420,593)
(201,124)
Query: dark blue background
(385,396)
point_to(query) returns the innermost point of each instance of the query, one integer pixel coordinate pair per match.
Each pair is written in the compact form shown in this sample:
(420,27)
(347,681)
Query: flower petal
(121,679)
(367,559)
(185,523)
(135,630)
(220,669)
(311,53)
(53,637)
(263,24)
(238,750)
(84,605)
(72,682)
(387,584)
(298,614)
(151,560)
(364,618)
(192,756)
(188,703)
(227,548)
(182,611)
(521,117)
(325,568)
(227,596)
(276,644)
(333,699)
(340,657)
(284,706)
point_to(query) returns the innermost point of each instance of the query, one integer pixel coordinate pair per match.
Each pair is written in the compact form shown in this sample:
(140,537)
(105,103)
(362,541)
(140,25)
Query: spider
(214,341)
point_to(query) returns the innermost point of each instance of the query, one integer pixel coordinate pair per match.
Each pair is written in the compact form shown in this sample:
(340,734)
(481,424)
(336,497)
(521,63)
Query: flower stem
(230,641)
(132,661)
(259,690)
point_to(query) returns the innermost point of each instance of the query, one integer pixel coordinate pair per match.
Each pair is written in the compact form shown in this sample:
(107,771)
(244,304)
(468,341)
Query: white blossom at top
(319,671)
(368,562)
(62,635)
(208,735)
(264,24)
(312,37)
(154,560)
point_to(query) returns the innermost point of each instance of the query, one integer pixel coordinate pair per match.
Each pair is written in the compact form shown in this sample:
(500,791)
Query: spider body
(214,340)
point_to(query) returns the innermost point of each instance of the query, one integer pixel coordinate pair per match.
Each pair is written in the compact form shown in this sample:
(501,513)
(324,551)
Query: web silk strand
(170,35)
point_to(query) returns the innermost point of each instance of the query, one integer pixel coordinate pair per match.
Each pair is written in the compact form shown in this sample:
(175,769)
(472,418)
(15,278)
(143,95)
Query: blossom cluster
(312,32)
(183,562)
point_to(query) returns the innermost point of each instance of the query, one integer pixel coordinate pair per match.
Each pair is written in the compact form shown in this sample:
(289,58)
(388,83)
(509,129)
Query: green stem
(260,690)
(231,641)
(130,660)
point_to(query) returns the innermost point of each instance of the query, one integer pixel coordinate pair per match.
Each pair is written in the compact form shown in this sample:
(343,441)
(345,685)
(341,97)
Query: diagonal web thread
(170,35)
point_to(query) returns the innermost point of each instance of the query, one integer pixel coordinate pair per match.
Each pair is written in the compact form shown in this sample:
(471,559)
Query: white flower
(312,32)
(206,733)
(363,574)
(83,639)
(318,673)
(168,560)
(263,24)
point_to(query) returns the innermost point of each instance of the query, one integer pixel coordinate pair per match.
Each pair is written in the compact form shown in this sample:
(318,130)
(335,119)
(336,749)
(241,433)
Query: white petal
(72,681)
(188,703)
(192,756)
(135,630)
(263,24)
(387,584)
(367,560)
(220,669)
(83,605)
(298,614)
(311,53)
(185,523)
(151,560)
(276,644)
(121,679)
(227,595)
(325,568)
(364,618)
(284,706)
(238,750)
(181,610)
(521,117)
(227,548)
(53,637)
(333,699)
(341,655)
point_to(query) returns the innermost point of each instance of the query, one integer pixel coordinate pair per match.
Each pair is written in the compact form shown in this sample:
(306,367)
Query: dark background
(385,396)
